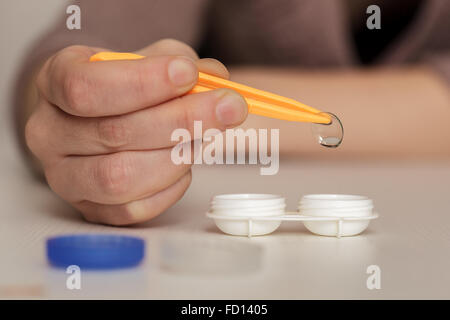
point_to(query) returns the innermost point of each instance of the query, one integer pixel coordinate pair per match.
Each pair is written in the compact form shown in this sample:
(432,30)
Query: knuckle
(175,46)
(75,48)
(113,175)
(113,132)
(55,72)
(67,52)
(76,93)
(169,42)
(59,57)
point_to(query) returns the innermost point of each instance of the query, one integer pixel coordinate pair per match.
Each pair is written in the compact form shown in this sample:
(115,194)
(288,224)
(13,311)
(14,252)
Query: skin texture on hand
(102,130)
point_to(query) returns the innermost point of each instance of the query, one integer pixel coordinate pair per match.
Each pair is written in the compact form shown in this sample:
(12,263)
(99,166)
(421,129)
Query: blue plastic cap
(95,251)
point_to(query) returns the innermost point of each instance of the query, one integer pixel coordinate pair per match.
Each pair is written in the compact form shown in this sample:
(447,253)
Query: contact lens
(329,135)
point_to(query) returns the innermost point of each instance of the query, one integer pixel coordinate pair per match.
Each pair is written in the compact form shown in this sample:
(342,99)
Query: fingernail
(231,109)
(182,72)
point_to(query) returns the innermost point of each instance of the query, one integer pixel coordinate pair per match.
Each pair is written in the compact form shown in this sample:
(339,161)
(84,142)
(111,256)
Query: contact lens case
(261,214)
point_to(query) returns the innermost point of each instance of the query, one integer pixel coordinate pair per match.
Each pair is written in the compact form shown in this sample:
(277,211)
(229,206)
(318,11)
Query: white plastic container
(322,214)
(344,207)
(247,206)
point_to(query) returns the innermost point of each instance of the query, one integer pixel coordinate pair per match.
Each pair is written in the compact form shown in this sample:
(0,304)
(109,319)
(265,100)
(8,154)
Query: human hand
(102,131)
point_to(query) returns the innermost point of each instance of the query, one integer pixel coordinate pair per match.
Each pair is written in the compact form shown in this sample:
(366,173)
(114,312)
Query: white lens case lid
(332,201)
(247,200)
(333,197)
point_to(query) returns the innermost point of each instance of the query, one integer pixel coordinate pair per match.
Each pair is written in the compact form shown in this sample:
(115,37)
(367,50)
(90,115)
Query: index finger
(106,88)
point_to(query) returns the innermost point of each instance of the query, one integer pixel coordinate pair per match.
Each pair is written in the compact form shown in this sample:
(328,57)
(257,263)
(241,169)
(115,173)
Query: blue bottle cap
(95,251)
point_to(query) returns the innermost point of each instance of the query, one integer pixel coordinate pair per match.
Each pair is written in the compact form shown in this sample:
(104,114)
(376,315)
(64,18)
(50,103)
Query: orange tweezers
(259,102)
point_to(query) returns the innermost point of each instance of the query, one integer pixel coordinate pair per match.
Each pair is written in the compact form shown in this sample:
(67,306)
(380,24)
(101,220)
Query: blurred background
(383,109)
(21,22)
(411,250)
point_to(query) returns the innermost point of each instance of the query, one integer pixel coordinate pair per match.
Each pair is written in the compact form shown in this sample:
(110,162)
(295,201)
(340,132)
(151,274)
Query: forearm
(400,112)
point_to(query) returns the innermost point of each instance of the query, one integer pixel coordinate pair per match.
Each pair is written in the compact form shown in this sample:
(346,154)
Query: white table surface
(410,241)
